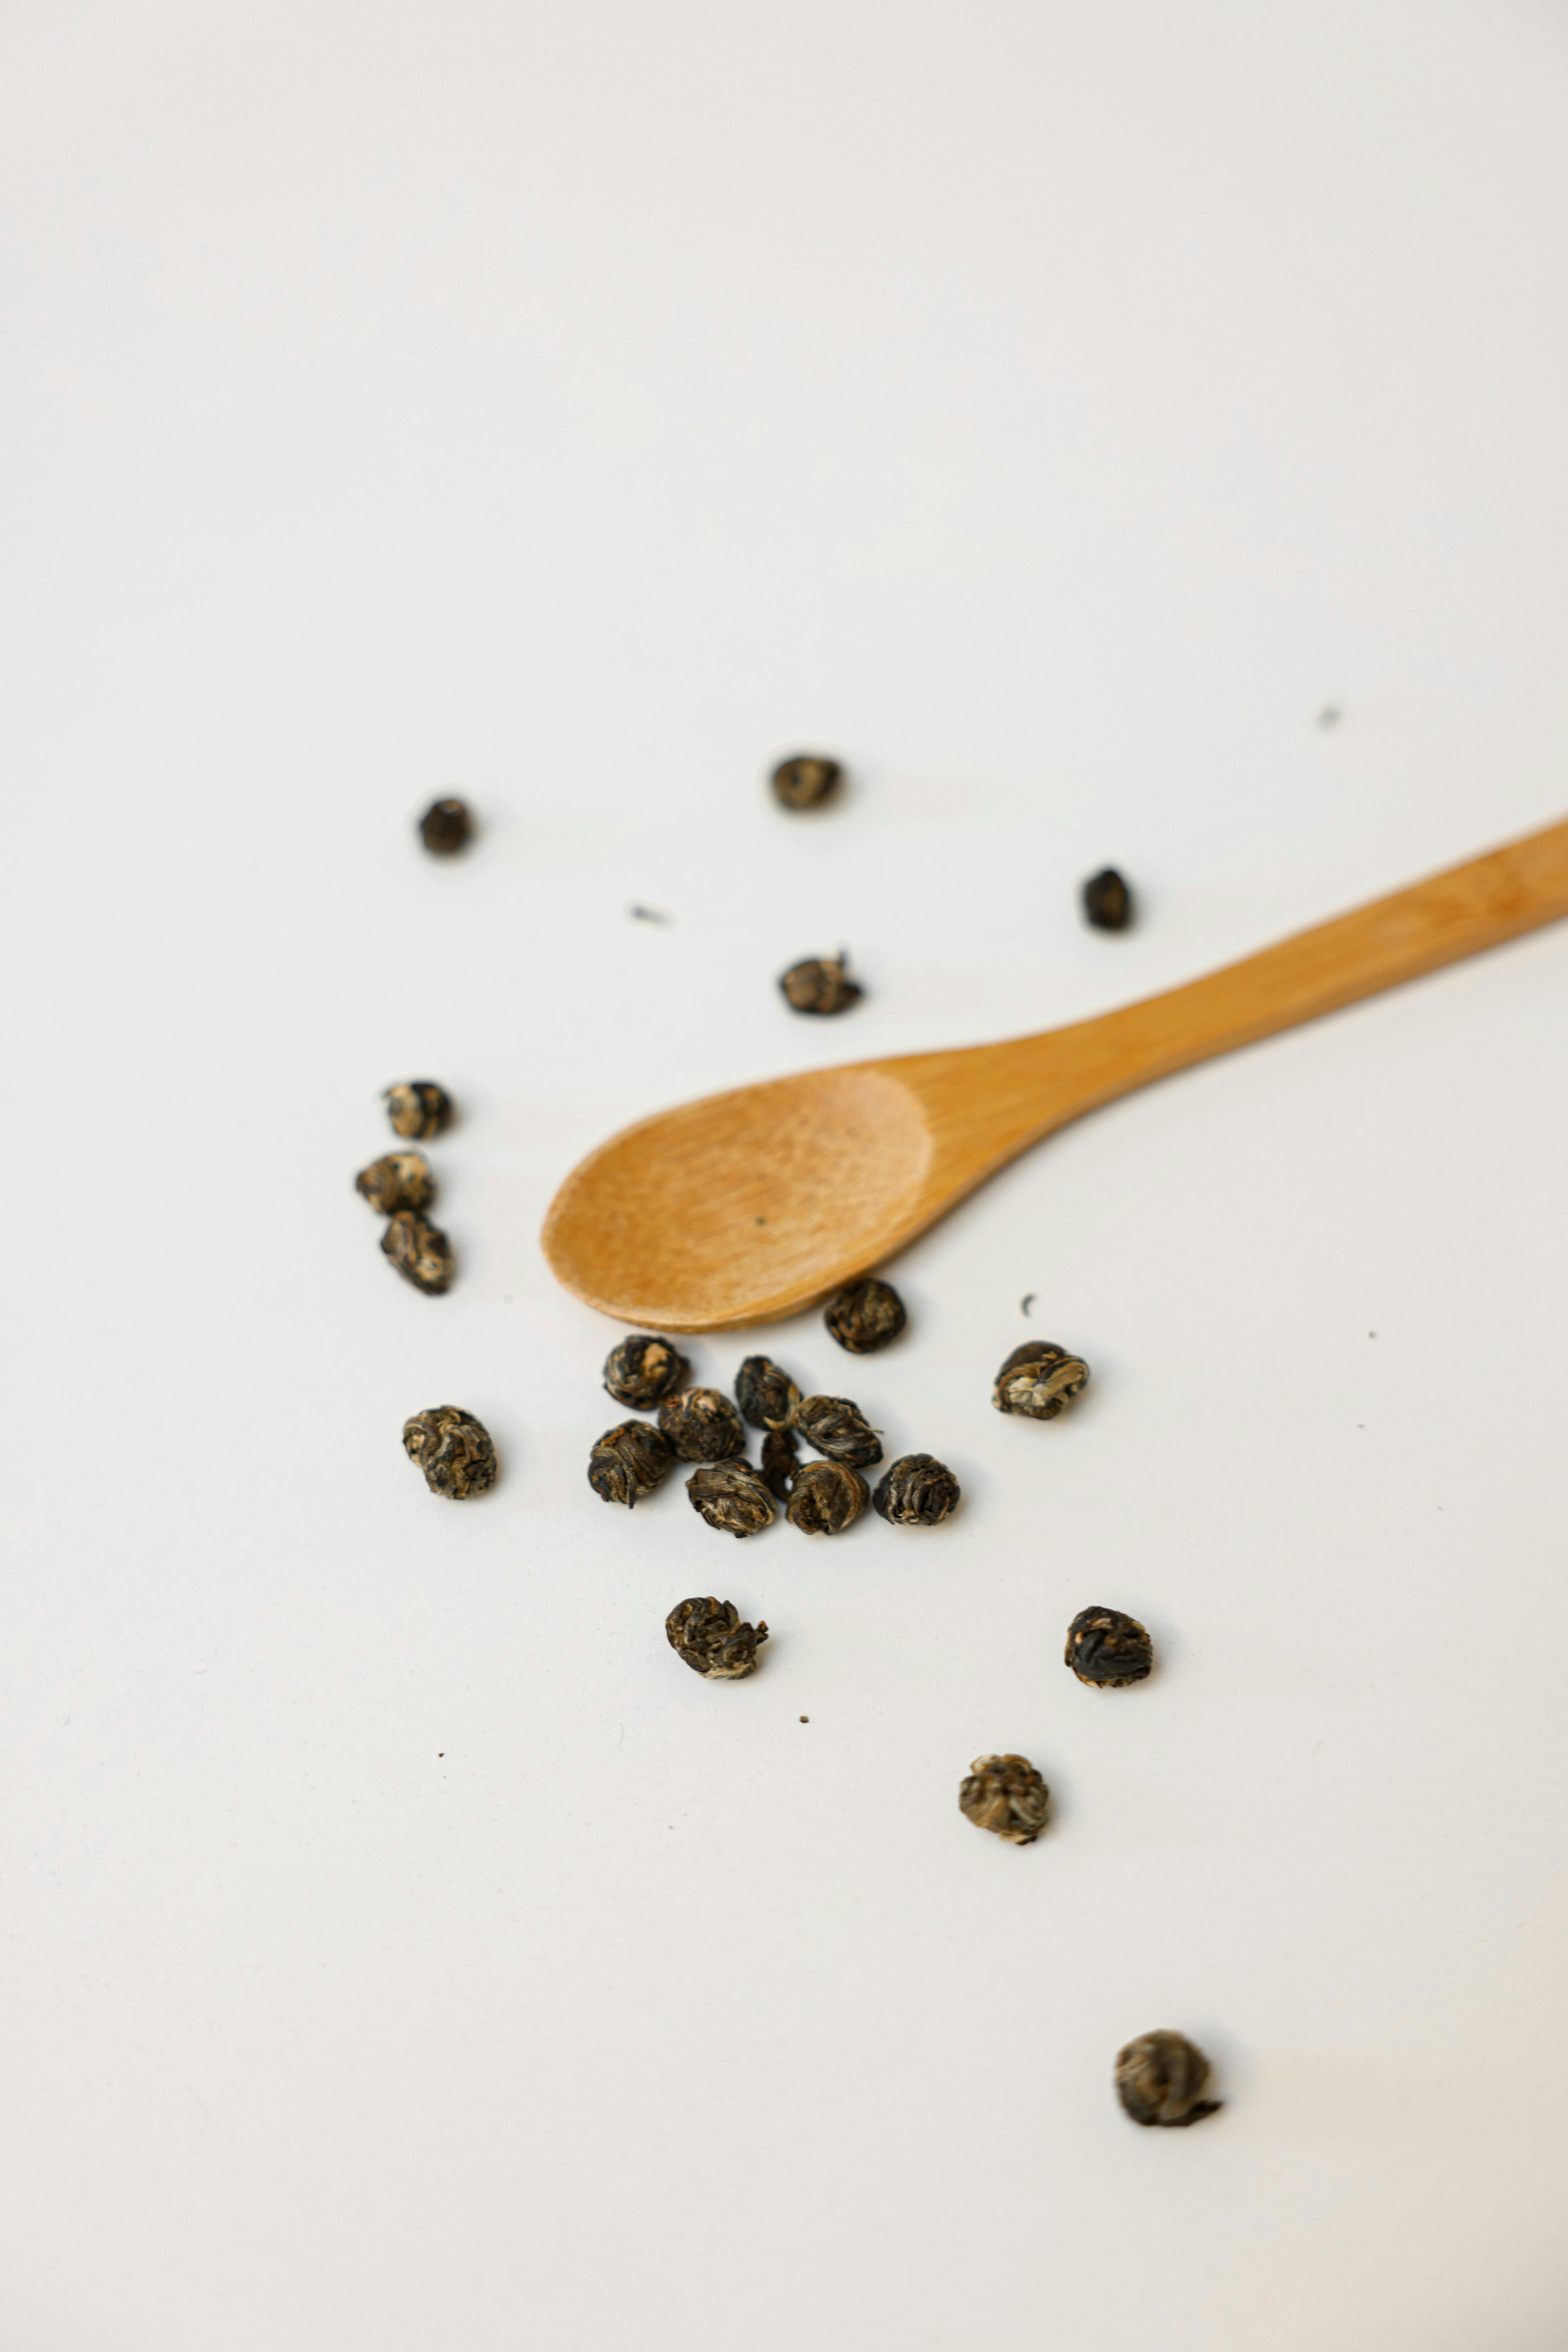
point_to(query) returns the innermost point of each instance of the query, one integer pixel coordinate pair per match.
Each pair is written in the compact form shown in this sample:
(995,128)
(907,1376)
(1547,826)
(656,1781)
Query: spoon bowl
(745,1204)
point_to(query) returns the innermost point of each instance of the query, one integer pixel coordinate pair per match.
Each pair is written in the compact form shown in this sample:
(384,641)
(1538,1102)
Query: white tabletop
(1058,413)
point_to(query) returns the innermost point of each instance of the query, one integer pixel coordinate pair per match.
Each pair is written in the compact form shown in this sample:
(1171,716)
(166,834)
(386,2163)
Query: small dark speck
(806,1719)
(440,1753)
(761,1221)
(1330,715)
(648,915)
(1372,1335)
(1026,1301)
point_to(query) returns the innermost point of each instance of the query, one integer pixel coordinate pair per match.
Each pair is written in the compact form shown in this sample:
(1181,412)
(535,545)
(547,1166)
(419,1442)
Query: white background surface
(1051,410)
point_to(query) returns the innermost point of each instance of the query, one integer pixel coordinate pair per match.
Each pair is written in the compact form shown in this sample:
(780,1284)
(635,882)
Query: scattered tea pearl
(1005,1795)
(806,781)
(445,827)
(1107,901)
(710,1635)
(453,1450)
(1159,2078)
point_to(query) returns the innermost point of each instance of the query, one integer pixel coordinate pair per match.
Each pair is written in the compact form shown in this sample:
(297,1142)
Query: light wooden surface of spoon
(749,1205)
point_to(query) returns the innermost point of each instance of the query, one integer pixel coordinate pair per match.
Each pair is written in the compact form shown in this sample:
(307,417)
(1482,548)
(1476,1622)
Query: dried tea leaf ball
(1005,1795)
(1159,2078)
(806,780)
(400,1179)
(863,1315)
(643,1371)
(1108,1649)
(826,1497)
(710,1637)
(917,1491)
(834,1426)
(766,1395)
(1040,1380)
(1107,901)
(731,1497)
(781,1460)
(445,827)
(628,1462)
(418,1108)
(820,985)
(702,1425)
(420,1251)
(454,1451)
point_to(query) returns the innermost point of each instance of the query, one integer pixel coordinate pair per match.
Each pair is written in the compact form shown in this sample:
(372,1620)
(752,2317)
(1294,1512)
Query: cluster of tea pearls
(400,1187)
(706,1428)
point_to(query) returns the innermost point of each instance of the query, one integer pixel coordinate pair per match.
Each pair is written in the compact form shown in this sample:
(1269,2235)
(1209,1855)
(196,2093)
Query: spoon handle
(1453,914)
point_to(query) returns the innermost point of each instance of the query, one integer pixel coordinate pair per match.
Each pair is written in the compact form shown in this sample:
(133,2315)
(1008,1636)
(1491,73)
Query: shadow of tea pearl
(834,1426)
(863,1315)
(1005,1795)
(628,1462)
(1108,1649)
(826,1497)
(806,781)
(454,1451)
(713,1640)
(643,1371)
(445,827)
(399,1180)
(1159,2079)
(1107,901)
(781,1462)
(917,1491)
(418,1108)
(420,1251)
(820,985)
(766,1395)
(731,1497)
(702,1425)
(1039,1379)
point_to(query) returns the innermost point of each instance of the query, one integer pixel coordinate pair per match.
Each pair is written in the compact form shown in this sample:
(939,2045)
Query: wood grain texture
(751,1204)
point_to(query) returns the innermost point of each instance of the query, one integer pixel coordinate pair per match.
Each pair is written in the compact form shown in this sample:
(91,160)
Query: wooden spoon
(751,1204)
